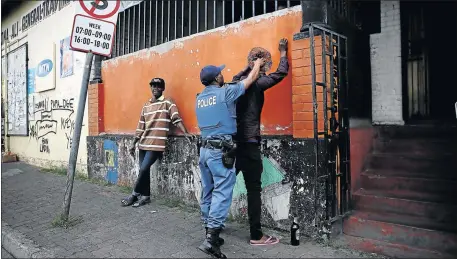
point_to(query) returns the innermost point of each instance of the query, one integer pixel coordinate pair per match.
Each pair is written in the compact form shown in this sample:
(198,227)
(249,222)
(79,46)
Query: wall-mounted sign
(44,68)
(66,58)
(31,81)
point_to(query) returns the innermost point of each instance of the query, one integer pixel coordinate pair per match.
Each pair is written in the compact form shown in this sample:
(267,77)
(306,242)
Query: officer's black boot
(220,240)
(211,244)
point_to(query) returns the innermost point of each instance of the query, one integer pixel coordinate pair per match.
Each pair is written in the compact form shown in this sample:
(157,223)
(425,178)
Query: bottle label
(297,234)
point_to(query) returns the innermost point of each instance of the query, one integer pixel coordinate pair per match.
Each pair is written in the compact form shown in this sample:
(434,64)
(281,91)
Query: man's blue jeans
(217,187)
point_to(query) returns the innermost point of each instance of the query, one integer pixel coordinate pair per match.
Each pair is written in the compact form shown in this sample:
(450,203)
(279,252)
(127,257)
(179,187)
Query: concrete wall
(287,180)
(51,112)
(362,134)
(386,72)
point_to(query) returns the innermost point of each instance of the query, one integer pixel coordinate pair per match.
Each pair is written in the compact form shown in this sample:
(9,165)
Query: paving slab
(31,199)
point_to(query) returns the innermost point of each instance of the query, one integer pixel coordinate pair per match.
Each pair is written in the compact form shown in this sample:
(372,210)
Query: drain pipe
(5,104)
(97,70)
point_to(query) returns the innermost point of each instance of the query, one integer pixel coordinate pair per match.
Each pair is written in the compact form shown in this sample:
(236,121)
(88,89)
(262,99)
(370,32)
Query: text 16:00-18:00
(96,43)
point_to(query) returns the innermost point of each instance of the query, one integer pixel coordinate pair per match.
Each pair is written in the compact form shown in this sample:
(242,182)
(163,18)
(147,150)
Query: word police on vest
(207,102)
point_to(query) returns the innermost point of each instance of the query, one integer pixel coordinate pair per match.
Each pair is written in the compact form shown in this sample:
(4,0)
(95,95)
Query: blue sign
(44,68)
(31,80)
(110,149)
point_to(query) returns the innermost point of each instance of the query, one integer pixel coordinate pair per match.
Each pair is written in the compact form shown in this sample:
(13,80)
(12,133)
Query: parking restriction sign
(94,26)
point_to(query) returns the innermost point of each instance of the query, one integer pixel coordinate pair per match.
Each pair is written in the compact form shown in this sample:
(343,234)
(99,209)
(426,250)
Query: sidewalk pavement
(31,199)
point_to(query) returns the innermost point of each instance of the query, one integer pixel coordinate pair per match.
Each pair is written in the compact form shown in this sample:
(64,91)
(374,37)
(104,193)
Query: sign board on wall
(31,80)
(66,58)
(94,26)
(45,69)
(17,92)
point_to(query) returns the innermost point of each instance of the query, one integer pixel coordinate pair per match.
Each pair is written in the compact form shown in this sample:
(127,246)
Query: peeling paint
(287,190)
(179,43)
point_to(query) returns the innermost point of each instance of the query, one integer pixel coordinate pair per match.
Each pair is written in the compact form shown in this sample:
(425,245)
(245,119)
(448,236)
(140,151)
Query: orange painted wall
(179,63)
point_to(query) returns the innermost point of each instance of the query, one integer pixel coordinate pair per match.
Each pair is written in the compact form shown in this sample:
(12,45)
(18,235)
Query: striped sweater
(154,125)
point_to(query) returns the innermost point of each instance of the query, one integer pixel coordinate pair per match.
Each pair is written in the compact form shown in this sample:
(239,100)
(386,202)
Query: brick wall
(95,109)
(302,98)
(386,73)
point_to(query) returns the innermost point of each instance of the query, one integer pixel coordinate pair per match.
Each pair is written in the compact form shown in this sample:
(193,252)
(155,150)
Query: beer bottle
(295,233)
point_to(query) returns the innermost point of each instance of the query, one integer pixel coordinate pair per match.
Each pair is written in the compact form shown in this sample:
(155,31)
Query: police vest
(215,116)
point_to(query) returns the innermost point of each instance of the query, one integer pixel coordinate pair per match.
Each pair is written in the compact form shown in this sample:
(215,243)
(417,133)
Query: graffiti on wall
(275,192)
(51,117)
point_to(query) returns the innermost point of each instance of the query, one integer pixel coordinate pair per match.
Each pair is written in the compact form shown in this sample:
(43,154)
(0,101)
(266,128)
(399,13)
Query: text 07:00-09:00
(96,43)
(97,34)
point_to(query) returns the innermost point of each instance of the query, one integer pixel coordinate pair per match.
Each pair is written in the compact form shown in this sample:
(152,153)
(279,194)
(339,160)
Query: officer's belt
(212,143)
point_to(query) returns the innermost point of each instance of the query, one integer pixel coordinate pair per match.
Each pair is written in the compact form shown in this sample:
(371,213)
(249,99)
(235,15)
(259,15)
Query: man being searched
(216,116)
(151,136)
(248,157)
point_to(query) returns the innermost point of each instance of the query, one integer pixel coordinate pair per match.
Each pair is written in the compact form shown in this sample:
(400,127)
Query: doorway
(429,60)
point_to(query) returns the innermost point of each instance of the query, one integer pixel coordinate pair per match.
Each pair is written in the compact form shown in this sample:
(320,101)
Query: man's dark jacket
(249,106)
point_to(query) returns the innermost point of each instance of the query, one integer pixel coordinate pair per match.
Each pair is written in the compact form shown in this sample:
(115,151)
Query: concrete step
(444,167)
(359,226)
(407,220)
(379,201)
(414,188)
(389,249)
(417,132)
(416,147)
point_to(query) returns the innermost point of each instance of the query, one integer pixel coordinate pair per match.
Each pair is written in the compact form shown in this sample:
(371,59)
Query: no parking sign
(94,26)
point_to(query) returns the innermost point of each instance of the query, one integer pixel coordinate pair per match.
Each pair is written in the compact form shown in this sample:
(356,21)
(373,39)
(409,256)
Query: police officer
(216,116)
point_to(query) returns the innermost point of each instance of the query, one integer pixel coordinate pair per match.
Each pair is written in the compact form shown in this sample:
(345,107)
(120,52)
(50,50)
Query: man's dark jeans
(146,159)
(249,161)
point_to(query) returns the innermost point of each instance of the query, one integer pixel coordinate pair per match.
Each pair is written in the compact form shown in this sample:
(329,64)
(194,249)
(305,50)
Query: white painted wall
(40,39)
(386,74)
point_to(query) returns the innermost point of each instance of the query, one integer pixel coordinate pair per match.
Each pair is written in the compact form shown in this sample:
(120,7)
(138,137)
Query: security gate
(331,143)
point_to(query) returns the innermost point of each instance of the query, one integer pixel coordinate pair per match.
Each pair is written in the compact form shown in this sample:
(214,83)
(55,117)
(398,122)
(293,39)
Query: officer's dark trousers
(249,161)
(143,183)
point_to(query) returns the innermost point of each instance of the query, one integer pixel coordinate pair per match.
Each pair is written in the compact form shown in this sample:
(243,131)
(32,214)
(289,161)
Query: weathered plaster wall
(179,62)
(287,181)
(386,72)
(362,134)
(51,113)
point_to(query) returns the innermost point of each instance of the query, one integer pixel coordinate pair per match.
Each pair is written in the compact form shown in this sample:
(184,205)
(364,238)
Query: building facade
(41,82)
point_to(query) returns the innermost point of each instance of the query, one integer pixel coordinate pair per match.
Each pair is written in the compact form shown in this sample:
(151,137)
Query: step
(388,249)
(415,188)
(413,174)
(365,200)
(358,226)
(437,165)
(417,131)
(407,220)
(416,147)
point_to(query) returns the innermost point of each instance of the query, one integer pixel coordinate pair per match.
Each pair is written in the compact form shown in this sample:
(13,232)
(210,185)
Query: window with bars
(154,22)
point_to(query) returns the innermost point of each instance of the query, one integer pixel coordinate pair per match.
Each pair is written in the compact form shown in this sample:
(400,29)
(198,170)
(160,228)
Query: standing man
(248,158)
(216,116)
(151,133)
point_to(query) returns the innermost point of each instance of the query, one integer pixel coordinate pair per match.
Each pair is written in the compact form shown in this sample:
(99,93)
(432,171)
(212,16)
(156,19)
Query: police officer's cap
(209,73)
(157,81)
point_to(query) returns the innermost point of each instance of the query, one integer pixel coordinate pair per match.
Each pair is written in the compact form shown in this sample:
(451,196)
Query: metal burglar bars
(335,134)
(154,22)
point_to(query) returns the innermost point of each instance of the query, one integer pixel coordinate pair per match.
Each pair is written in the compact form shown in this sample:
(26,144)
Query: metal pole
(76,136)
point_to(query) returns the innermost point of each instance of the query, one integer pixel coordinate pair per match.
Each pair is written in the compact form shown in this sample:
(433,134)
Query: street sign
(99,9)
(94,26)
(94,35)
